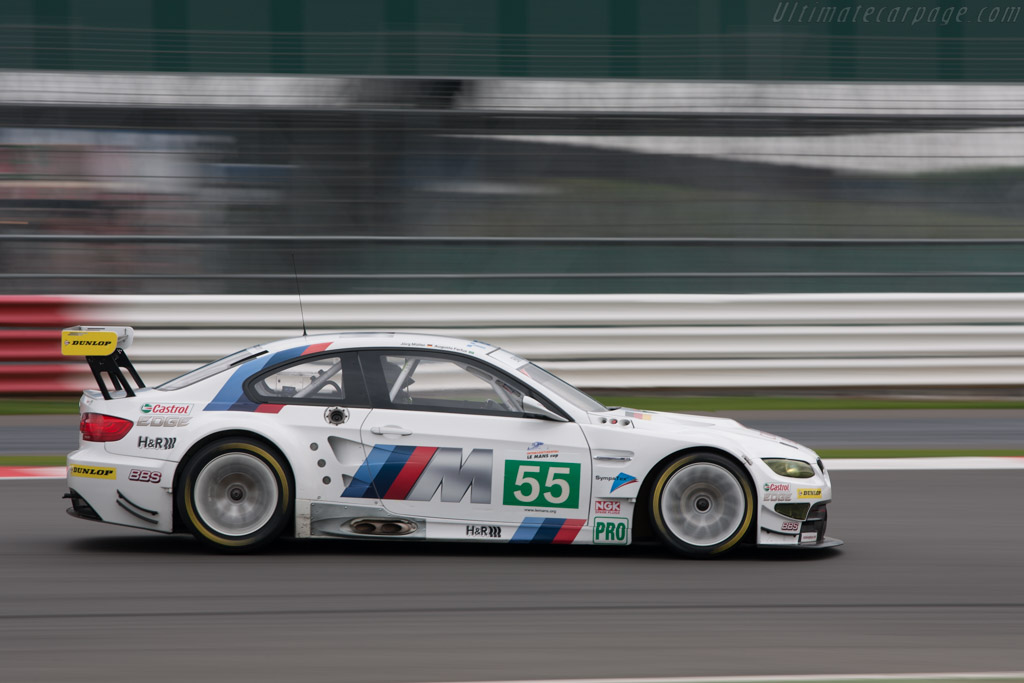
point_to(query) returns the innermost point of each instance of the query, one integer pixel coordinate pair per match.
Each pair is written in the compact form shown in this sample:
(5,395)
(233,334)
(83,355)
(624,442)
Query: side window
(324,379)
(424,382)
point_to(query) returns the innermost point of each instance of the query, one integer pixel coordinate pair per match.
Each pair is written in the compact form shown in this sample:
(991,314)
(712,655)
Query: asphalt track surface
(818,429)
(929,580)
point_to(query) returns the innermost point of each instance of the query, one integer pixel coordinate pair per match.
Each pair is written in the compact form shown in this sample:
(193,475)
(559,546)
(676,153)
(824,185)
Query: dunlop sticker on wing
(94,472)
(82,343)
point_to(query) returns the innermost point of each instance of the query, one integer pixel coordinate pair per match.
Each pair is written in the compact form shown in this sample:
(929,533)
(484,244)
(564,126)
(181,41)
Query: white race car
(412,436)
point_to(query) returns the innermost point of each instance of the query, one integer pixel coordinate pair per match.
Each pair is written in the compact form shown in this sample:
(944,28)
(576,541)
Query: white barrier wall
(627,341)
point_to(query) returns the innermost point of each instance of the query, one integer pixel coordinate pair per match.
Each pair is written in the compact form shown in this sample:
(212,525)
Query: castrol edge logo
(166,408)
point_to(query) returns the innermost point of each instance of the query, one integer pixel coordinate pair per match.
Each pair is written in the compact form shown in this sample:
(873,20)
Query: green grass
(717,403)
(38,406)
(862,453)
(33,460)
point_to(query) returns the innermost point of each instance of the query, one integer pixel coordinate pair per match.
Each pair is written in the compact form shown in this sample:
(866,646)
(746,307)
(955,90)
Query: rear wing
(104,348)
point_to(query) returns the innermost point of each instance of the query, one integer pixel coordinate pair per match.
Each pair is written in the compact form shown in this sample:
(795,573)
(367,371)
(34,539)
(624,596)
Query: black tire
(701,504)
(236,495)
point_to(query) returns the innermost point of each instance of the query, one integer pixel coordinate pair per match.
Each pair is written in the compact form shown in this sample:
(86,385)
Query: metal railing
(614,341)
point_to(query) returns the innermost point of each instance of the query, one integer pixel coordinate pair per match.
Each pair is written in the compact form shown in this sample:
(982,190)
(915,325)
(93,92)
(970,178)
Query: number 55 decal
(545,484)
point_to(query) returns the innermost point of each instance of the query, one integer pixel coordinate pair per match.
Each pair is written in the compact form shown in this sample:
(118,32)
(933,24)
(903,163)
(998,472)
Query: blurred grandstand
(489,146)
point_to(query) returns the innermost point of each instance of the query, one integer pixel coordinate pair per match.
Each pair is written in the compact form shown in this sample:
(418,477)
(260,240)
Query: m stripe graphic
(410,472)
(543,530)
(420,472)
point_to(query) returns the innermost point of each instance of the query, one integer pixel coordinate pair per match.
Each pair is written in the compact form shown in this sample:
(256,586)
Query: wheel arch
(178,526)
(643,530)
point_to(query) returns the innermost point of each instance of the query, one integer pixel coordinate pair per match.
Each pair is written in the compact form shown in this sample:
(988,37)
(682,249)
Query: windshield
(561,388)
(211,369)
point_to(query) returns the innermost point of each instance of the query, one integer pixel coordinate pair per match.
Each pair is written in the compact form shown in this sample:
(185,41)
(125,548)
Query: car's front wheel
(236,495)
(701,504)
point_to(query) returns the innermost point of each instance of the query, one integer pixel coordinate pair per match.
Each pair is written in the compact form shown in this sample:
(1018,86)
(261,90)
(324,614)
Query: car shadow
(183,544)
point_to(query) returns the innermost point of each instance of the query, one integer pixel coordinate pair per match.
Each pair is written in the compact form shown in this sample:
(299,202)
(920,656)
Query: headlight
(797,469)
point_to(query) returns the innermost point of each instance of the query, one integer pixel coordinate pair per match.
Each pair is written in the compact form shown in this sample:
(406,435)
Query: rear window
(211,369)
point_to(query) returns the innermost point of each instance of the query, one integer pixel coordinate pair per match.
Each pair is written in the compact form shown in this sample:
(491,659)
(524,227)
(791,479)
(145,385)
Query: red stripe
(269,408)
(411,471)
(569,531)
(40,378)
(38,311)
(315,348)
(20,346)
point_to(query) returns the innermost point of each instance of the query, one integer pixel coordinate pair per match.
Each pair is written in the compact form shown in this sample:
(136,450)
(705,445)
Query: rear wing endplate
(104,348)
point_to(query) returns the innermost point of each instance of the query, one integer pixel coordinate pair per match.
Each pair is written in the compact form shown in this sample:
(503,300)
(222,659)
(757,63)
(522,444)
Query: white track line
(987,676)
(967,463)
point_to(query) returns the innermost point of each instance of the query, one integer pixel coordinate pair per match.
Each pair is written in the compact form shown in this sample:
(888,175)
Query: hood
(693,425)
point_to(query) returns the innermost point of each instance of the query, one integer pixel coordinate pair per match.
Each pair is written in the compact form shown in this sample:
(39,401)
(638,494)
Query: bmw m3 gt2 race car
(411,436)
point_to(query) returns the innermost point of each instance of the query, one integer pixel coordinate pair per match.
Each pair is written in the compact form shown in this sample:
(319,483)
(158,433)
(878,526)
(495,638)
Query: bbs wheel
(701,504)
(236,495)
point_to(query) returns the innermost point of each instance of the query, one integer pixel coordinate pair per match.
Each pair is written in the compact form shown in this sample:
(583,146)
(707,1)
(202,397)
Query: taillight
(97,427)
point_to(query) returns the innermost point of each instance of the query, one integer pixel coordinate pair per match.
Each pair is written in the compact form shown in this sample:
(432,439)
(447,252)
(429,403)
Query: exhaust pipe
(382,527)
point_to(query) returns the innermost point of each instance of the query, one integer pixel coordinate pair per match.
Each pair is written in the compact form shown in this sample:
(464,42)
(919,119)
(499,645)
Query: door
(322,400)
(448,438)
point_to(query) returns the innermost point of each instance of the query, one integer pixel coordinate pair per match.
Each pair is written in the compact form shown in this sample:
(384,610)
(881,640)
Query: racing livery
(412,436)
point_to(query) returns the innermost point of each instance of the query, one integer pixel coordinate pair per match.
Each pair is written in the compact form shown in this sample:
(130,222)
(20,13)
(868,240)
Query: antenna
(298,290)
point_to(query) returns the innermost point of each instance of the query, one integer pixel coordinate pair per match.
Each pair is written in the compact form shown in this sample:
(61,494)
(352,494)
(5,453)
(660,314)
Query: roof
(399,340)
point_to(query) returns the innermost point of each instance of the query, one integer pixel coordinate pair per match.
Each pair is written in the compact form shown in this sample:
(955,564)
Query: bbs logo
(145,476)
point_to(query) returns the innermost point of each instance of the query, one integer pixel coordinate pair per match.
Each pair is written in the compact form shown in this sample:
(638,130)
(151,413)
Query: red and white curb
(836,465)
(59,472)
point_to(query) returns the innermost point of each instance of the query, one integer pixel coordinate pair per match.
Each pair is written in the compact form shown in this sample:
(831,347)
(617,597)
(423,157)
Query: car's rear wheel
(701,504)
(236,495)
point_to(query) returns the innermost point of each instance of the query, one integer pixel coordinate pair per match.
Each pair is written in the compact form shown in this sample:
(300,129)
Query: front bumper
(796,525)
(119,489)
(826,542)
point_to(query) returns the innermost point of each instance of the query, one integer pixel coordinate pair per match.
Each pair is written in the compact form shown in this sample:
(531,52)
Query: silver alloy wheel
(703,504)
(236,494)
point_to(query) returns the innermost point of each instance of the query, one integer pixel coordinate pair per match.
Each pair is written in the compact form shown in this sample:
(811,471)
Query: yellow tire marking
(678,466)
(201,527)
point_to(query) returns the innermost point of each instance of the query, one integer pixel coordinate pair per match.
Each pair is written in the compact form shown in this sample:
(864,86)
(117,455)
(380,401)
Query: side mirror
(533,408)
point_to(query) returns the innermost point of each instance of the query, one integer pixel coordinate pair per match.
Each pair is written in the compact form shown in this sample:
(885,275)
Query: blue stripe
(362,482)
(359,489)
(548,530)
(376,460)
(230,396)
(527,530)
(392,466)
